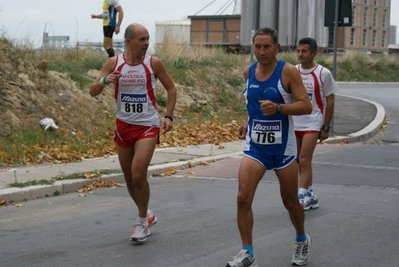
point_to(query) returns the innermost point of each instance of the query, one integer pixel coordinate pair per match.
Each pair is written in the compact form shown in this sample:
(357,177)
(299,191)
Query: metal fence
(117,44)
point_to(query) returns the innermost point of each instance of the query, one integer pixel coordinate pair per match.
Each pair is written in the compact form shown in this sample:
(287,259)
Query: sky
(26,20)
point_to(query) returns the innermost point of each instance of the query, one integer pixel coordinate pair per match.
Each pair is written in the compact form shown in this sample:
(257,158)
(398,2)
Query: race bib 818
(134,103)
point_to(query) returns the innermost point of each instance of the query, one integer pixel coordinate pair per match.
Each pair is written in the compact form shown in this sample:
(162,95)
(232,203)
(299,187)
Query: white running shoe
(140,232)
(301,252)
(152,219)
(310,202)
(242,259)
(301,199)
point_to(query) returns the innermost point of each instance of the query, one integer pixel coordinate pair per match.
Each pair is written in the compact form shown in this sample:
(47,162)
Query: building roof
(174,22)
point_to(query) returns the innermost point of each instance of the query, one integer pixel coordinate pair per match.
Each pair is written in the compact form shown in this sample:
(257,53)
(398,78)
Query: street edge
(67,186)
(367,131)
(59,188)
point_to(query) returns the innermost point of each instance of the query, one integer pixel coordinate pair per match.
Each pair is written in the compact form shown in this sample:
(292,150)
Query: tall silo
(266,16)
(321,31)
(247,14)
(287,20)
(311,21)
(268,13)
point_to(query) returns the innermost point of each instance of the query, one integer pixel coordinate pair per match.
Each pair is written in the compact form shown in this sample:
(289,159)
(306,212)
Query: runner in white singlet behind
(321,88)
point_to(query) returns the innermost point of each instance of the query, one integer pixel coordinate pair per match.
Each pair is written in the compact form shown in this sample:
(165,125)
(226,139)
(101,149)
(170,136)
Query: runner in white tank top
(135,92)
(134,77)
(321,88)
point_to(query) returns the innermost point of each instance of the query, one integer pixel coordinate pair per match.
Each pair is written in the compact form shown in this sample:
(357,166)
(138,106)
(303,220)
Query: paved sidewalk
(355,120)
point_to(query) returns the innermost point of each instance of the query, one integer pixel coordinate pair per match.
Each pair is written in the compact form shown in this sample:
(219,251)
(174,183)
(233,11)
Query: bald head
(132,29)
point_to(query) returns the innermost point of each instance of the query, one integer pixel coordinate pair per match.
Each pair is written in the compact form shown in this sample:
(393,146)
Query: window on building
(373,38)
(353,15)
(375,2)
(375,17)
(364,37)
(366,2)
(365,16)
(352,36)
(385,2)
(383,36)
(384,18)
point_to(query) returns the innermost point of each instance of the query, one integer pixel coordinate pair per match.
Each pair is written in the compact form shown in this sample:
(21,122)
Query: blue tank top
(273,134)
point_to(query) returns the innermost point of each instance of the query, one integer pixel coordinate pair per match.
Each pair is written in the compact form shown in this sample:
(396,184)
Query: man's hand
(113,77)
(323,135)
(268,107)
(166,125)
(242,131)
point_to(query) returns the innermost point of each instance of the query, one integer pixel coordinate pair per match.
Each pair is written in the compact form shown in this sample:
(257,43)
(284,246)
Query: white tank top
(319,83)
(135,93)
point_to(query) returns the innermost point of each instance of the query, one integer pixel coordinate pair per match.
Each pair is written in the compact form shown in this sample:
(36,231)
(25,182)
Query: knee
(304,162)
(243,200)
(291,203)
(138,180)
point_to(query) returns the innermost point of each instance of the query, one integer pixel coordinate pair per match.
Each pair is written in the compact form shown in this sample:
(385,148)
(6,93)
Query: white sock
(310,191)
(141,220)
(148,213)
(302,191)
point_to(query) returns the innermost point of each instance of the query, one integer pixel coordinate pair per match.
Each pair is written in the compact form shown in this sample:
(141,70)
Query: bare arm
(166,81)
(330,100)
(94,16)
(242,130)
(112,76)
(120,19)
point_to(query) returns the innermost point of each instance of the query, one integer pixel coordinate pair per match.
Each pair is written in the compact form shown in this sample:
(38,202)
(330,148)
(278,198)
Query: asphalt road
(356,225)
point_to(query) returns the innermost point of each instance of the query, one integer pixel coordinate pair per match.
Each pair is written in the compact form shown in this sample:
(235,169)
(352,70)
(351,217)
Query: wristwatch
(118,24)
(169,117)
(326,128)
(278,108)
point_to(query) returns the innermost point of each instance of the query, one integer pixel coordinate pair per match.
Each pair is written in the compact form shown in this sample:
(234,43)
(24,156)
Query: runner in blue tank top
(274,91)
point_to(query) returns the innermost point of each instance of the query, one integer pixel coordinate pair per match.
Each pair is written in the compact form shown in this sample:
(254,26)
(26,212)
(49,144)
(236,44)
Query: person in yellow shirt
(112,17)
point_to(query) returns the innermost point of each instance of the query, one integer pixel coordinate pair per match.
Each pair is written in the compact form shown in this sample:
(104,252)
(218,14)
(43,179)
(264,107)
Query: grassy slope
(209,84)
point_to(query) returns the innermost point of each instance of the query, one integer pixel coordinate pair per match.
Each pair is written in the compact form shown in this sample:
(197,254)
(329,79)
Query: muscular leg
(306,147)
(249,175)
(108,46)
(288,178)
(107,43)
(135,171)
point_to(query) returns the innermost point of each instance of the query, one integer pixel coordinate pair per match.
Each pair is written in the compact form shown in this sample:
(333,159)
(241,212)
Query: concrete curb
(367,131)
(67,186)
(13,194)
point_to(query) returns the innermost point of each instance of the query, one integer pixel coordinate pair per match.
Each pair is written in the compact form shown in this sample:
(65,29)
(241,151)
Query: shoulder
(111,62)
(288,68)
(155,60)
(156,64)
(325,73)
(246,71)
(115,3)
